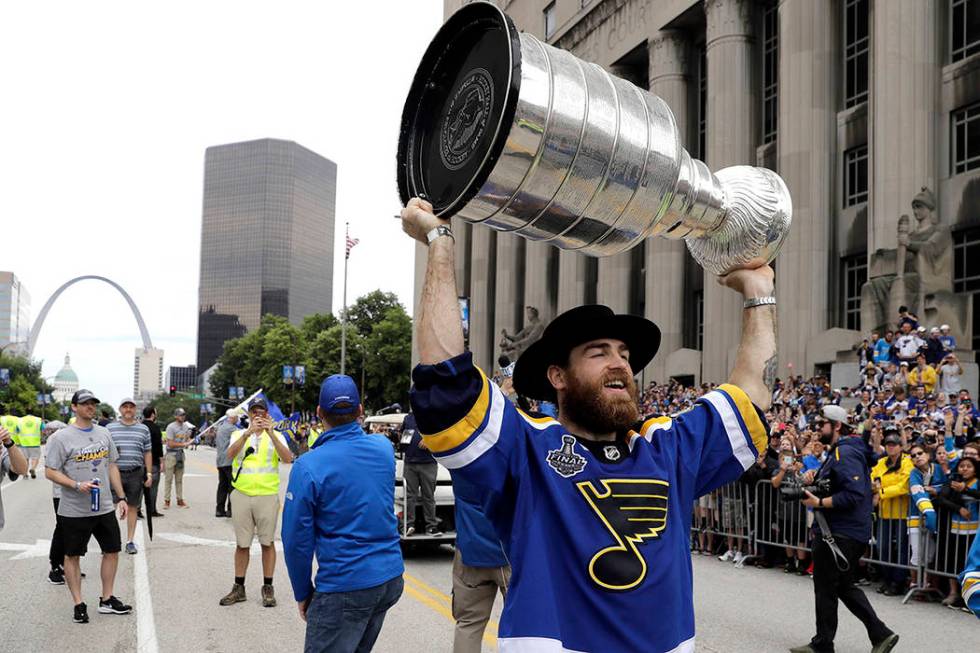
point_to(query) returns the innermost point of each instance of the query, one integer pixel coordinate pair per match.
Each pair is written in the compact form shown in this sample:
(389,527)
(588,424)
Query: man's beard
(584,403)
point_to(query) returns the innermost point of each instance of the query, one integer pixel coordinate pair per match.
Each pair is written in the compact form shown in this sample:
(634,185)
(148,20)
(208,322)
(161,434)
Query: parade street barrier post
(509,132)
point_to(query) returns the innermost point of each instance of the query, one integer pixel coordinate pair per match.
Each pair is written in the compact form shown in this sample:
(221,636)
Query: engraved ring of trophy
(504,130)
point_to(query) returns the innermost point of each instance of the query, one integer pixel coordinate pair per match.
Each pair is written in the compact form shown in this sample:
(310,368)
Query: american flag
(350,244)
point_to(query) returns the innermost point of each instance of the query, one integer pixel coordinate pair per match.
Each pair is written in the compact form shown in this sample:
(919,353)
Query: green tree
(19,397)
(388,357)
(370,309)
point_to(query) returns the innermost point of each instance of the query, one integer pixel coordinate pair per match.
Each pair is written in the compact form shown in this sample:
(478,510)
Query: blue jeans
(349,622)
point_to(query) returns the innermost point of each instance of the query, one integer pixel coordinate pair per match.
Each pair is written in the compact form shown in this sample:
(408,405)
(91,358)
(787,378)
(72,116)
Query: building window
(966,275)
(964,37)
(702,103)
(854,274)
(549,21)
(770,74)
(856,46)
(966,139)
(856,175)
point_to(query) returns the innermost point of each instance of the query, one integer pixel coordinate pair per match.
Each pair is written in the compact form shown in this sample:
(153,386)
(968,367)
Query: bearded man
(593,509)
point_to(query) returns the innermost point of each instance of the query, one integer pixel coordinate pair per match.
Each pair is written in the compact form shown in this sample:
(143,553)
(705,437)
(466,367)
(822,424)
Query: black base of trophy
(460,108)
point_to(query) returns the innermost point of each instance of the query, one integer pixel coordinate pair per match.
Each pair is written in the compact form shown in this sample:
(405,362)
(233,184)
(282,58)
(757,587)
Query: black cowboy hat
(573,328)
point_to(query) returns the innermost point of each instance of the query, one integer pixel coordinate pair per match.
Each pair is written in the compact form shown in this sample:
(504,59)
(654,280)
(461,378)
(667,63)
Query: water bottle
(95,492)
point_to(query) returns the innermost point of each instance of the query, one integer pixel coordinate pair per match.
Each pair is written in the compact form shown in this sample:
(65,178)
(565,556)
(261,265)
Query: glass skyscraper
(15,314)
(267,235)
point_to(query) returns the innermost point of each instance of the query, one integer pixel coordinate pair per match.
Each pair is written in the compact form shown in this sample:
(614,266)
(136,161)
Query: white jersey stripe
(736,436)
(485,440)
(548,645)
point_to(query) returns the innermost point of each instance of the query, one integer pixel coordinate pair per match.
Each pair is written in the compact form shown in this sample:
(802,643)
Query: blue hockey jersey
(599,548)
(970,578)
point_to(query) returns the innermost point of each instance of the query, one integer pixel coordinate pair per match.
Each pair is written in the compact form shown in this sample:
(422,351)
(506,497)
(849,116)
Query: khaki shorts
(254,516)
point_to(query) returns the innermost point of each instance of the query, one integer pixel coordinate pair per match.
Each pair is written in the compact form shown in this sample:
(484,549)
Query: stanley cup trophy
(503,130)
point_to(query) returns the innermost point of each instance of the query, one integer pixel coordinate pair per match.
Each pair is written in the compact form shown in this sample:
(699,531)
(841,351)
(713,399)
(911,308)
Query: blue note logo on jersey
(565,461)
(632,510)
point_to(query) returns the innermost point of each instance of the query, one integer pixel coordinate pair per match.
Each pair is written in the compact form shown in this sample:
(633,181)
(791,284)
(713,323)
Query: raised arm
(439,327)
(755,361)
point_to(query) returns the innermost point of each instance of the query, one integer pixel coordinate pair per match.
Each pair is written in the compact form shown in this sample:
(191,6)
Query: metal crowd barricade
(780,523)
(726,513)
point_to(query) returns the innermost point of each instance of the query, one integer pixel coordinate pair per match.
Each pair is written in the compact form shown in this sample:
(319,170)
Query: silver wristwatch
(759,301)
(441,230)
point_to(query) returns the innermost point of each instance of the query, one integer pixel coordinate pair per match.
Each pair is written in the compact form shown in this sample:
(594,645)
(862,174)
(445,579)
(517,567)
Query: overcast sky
(108,108)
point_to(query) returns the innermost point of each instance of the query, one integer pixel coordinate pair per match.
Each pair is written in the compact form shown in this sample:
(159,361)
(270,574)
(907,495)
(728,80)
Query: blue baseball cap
(338,395)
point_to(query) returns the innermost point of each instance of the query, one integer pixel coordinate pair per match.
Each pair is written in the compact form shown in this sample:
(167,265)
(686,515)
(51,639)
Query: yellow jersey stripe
(457,434)
(757,430)
(538,422)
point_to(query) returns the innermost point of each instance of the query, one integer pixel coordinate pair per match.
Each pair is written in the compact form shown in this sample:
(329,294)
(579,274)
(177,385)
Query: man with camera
(840,494)
(255,453)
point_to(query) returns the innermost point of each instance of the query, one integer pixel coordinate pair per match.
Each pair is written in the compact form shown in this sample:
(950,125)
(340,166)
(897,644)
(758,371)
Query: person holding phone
(255,453)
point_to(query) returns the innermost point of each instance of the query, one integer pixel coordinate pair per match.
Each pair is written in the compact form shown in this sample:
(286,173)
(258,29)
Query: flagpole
(343,328)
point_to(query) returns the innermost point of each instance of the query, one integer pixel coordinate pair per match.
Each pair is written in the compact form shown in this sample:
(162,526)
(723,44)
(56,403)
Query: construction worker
(255,453)
(29,438)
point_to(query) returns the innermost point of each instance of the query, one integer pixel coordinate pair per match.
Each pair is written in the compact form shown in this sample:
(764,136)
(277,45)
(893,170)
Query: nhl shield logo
(565,461)
(611,451)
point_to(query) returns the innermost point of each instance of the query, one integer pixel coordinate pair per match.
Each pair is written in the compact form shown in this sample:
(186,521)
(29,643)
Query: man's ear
(557,377)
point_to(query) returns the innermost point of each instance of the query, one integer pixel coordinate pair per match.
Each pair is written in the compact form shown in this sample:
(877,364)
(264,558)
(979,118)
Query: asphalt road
(175,583)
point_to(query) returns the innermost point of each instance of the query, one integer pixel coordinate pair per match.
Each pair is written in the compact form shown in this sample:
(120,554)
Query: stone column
(571,280)
(731,140)
(482,291)
(510,287)
(904,111)
(669,79)
(536,292)
(421,260)
(614,282)
(806,160)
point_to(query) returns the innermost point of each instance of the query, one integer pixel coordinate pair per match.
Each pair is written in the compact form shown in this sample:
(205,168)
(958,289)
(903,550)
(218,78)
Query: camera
(795,490)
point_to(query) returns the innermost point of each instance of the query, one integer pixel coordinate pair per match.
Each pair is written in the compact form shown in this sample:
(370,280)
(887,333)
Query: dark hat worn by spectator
(83,396)
(258,402)
(338,395)
(573,328)
(893,438)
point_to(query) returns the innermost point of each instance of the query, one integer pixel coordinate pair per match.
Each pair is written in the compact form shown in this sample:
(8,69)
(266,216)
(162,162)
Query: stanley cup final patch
(566,461)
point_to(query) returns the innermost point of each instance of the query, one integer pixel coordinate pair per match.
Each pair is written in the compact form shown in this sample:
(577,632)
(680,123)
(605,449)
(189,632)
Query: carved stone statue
(917,274)
(512,346)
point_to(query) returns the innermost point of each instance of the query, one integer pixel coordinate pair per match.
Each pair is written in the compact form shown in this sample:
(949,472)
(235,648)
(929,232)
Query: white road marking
(183,538)
(146,630)
(39,549)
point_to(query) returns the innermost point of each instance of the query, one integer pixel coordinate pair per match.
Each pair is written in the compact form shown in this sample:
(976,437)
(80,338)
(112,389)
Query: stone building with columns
(857,104)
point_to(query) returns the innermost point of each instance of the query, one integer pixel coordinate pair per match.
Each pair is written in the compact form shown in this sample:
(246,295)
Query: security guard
(255,453)
(12,424)
(29,436)
(844,521)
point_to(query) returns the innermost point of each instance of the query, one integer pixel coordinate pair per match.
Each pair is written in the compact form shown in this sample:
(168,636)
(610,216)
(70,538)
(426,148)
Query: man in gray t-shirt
(221,441)
(77,457)
(177,438)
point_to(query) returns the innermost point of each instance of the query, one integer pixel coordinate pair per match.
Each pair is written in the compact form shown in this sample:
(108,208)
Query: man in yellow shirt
(924,374)
(255,453)
(890,479)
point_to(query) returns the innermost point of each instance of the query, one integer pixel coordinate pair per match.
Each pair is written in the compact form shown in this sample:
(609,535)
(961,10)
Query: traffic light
(173,391)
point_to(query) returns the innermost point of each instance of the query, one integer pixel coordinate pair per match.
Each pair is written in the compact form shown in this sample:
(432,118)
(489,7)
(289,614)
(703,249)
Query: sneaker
(219,513)
(181,504)
(81,614)
(157,514)
(139,514)
(886,644)
(803,649)
(410,531)
(790,566)
(739,557)
(33,475)
(56,576)
(166,505)
(433,531)
(130,548)
(236,595)
(727,556)
(268,597)
(112,605)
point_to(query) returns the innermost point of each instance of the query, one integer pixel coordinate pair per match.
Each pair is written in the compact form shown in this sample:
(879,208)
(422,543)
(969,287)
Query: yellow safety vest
(260,470)
(12,424)
(30,431)
(314,434)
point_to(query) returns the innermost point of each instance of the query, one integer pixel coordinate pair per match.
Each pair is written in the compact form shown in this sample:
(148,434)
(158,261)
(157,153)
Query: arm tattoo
(769,372)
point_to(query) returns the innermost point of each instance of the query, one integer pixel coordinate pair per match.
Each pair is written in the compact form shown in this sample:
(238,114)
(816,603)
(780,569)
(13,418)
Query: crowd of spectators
(922,426)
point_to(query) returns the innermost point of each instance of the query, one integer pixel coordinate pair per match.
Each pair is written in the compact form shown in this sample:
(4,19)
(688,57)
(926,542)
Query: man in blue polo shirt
(346,519)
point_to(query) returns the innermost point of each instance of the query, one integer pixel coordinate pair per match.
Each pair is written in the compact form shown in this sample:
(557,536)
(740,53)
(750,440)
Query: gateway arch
(36,331)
